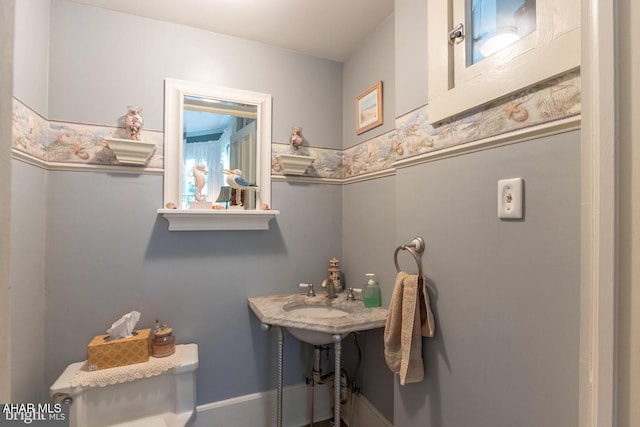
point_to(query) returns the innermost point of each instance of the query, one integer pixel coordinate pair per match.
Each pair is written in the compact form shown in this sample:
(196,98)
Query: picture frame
(369,108)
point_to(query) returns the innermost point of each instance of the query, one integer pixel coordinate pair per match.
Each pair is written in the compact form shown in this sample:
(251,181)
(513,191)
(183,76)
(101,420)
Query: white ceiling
(331,29)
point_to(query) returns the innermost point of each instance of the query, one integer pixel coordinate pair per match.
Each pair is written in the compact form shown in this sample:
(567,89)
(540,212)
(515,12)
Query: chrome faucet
(331,288)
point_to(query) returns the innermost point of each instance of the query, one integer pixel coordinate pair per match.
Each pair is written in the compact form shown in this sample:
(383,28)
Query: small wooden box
(103,353)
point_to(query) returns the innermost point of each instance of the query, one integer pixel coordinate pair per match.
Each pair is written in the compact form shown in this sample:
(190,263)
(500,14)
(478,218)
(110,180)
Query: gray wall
(369,220)
(131,56)
(28,229)
(108,252)
(6,85)
(31,65)
(371,63)
(28,211)
(505,293)
(111,253)
(410,54)
(368,242)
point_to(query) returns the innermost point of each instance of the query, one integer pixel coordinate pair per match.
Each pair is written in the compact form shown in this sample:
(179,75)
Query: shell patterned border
(554,99)
(327,164)
(72,143)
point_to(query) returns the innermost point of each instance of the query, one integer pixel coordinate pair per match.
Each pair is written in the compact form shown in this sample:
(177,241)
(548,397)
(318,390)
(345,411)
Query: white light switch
(510,198)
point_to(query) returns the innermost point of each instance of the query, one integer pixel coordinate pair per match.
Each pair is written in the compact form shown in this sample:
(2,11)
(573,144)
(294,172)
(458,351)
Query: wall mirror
(212,133)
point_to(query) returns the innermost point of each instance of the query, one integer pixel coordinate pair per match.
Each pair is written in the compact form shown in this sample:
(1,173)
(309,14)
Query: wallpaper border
(549,107)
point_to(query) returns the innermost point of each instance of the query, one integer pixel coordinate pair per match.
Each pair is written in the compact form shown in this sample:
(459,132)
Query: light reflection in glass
(496,24)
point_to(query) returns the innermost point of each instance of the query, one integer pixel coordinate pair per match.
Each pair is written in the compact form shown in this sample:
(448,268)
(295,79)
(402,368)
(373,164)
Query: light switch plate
(510,198)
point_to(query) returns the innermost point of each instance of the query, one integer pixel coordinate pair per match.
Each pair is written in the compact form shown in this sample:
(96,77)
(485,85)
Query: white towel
(408,320)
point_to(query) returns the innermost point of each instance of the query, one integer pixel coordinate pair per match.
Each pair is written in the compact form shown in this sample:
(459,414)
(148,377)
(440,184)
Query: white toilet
(164,400)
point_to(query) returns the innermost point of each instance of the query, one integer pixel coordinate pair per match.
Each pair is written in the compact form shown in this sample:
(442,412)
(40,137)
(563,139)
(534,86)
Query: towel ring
(416,246)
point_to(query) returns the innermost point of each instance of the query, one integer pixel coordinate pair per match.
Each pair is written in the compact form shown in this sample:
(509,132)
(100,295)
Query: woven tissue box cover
(103,353)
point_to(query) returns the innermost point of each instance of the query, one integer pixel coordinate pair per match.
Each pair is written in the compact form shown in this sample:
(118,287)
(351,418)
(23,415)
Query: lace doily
(122,374)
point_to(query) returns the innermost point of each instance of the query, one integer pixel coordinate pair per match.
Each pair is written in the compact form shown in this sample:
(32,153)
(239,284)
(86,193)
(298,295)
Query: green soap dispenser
(372,296)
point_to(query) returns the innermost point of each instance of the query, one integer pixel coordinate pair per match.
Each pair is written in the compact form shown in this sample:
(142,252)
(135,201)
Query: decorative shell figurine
(296,139)
(133,121)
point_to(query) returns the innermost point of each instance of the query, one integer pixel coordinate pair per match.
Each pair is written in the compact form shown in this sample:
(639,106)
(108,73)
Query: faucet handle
(309,286)
(350,295)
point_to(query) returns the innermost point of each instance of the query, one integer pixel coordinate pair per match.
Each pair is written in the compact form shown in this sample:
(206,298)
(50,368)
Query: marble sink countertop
(271,310)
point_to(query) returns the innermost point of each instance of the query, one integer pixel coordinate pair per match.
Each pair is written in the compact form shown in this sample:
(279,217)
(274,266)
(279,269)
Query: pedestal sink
(317,311)
(317,320)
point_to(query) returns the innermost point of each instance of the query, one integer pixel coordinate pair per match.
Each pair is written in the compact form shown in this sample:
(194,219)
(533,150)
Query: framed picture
(369,108)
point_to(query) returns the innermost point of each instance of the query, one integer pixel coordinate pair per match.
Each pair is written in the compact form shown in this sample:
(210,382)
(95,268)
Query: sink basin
(319,311)
(311,337)
(317,320)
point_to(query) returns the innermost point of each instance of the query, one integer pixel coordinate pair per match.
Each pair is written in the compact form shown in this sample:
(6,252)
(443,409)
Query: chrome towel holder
(415,247)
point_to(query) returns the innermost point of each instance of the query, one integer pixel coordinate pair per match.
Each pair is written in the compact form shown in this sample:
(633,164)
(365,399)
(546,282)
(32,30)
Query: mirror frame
(199,219)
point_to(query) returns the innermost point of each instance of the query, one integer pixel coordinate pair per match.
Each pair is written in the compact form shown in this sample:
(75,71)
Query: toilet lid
(155,421)
(162,420)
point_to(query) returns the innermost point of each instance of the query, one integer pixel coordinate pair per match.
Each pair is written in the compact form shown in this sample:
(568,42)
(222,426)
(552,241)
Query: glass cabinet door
(495,24)
(482,50)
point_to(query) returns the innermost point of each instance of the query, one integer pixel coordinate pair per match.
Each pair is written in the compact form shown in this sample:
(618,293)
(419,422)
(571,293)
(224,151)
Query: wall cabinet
(460,79)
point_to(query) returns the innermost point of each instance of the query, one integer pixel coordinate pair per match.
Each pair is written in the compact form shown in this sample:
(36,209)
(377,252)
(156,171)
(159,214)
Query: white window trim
(598,218)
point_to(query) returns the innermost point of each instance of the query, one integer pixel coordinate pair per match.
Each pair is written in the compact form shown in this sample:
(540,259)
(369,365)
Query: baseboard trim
(259,409)
(364,414)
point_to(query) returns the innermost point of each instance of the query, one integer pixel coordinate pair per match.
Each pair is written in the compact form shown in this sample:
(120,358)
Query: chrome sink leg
(266,327)
(280,375)
(337,346)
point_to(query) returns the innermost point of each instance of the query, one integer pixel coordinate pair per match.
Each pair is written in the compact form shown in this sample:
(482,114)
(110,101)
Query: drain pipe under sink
(339,378)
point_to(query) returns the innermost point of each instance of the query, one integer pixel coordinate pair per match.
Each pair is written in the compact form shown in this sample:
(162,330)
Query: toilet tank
(167,399)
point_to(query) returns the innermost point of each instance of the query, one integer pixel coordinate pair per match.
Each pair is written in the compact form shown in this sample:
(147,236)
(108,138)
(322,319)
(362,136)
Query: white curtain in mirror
(214,155)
